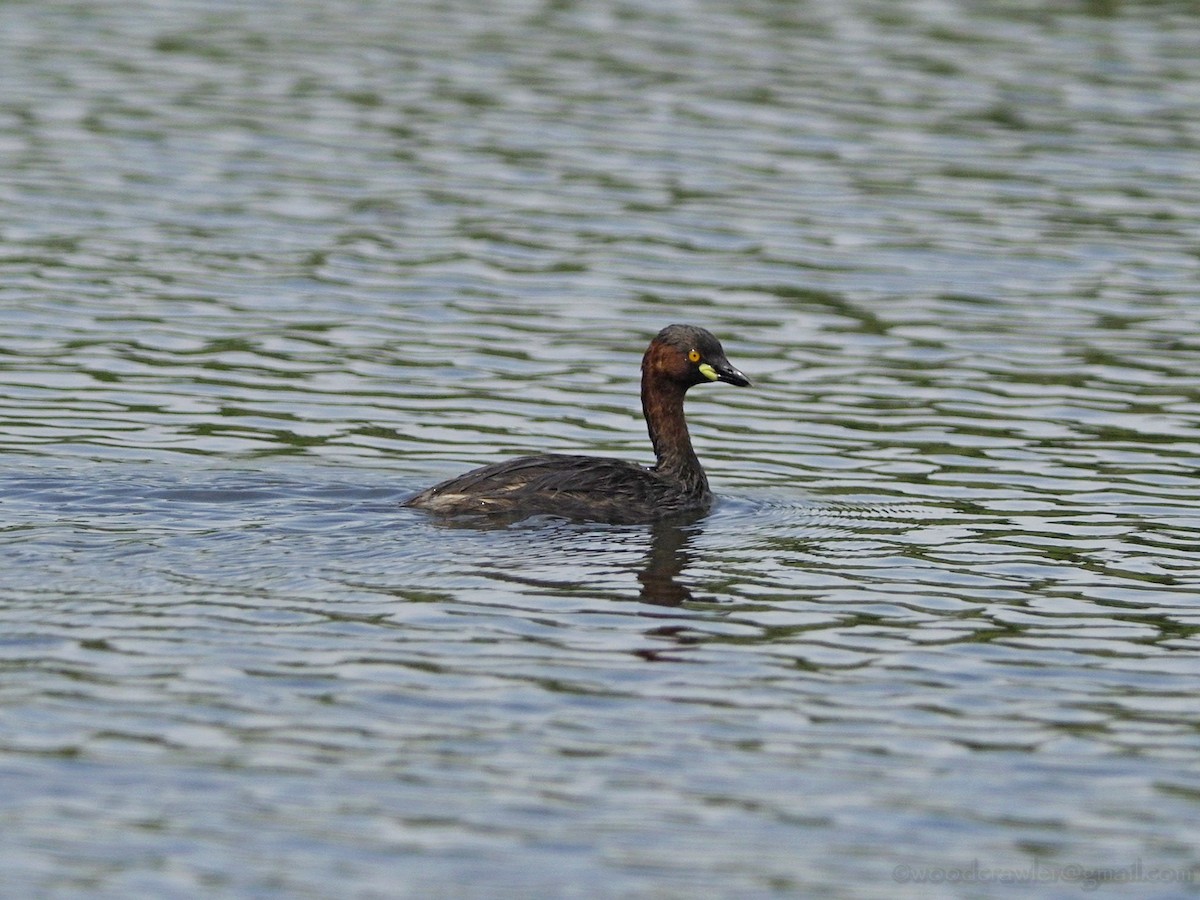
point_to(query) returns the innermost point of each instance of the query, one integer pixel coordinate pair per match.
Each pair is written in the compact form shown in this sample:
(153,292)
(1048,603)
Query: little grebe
(611,490)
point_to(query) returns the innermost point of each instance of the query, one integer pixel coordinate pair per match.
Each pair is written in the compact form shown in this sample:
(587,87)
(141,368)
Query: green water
(267,269)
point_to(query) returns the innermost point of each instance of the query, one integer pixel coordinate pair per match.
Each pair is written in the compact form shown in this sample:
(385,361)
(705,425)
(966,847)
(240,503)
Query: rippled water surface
(266,269)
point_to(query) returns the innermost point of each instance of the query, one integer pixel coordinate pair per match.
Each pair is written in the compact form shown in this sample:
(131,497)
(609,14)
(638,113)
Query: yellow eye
(694,356)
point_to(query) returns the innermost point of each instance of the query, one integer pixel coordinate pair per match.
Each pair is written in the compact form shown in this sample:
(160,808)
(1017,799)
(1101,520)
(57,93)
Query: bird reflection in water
(664,564)
(659,574)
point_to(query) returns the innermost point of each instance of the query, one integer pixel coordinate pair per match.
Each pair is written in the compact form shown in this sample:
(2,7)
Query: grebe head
(687,355)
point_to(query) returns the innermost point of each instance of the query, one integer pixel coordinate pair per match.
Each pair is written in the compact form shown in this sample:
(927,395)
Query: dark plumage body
(600,488)
(578,487)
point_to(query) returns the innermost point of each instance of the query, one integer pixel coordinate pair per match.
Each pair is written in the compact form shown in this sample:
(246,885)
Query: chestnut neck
(662,405)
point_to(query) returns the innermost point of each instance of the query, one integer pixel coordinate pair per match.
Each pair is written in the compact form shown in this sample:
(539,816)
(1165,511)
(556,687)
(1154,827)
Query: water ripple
(269,270)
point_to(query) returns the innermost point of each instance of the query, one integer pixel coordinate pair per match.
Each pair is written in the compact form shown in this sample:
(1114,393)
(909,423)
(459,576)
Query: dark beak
(730,375)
